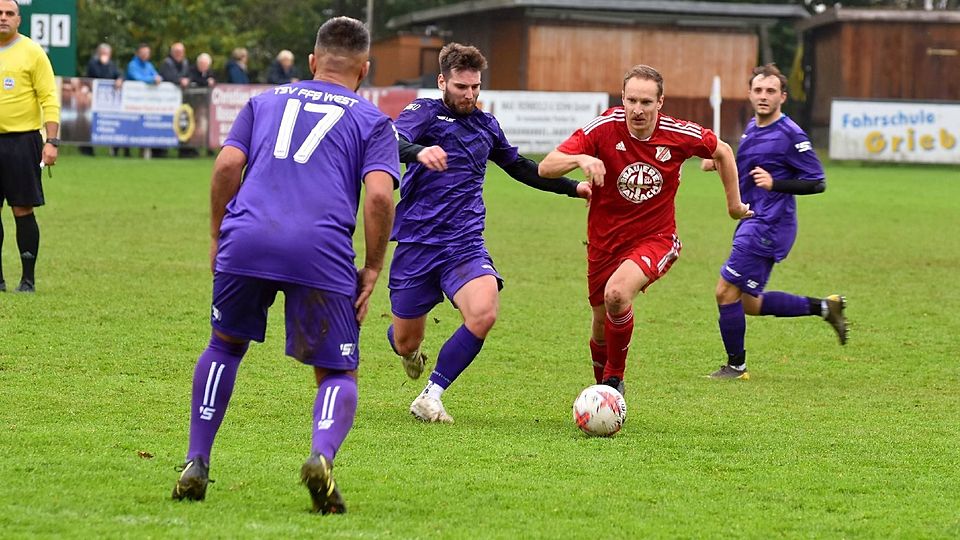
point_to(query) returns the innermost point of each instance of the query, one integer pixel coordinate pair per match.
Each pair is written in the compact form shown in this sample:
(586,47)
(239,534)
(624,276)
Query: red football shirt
(637,197)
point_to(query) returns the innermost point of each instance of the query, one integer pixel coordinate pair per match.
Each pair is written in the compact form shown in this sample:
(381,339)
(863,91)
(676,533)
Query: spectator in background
(175,67)
(200,74)
(237,67)
(102,66)
(141,68)
(282,70)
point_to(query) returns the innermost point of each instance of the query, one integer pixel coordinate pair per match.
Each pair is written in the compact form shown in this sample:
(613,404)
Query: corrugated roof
(836,15)
(659,7)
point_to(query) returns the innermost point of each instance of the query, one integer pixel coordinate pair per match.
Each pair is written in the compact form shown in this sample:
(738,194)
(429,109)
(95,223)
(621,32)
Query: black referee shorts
(20,155)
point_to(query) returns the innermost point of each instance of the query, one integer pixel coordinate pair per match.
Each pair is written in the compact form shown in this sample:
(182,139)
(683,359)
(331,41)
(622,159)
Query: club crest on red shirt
(663,154)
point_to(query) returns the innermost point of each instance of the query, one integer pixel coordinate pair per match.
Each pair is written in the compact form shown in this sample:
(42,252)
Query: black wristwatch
(54,141)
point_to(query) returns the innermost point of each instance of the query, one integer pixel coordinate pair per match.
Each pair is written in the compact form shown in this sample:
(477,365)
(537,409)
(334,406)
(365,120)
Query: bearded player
(440,222)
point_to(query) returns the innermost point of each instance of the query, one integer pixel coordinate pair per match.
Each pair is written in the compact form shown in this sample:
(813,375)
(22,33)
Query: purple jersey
(443,207)
(308,146)
(783,150)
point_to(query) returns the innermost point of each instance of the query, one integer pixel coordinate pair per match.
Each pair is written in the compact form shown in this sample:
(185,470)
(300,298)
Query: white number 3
(331,115)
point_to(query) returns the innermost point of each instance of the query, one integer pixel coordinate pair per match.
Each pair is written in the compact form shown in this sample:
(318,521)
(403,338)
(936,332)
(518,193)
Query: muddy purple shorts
(322,327)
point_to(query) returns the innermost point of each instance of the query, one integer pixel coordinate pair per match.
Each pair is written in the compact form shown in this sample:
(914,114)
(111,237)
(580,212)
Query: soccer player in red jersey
(633,154)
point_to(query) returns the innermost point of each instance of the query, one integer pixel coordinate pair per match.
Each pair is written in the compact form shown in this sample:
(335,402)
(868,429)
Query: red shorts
(654,255)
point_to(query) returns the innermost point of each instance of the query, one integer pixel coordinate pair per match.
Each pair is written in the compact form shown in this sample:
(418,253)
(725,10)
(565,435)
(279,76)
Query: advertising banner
(226,102)
(390,100)
(901,131)
(76,96)
(536,122)
(101,112)
(135,114)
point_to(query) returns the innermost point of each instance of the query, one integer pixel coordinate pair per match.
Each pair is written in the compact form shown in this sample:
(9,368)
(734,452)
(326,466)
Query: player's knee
(321,373)
(481,321)
(726,293)
(616,300)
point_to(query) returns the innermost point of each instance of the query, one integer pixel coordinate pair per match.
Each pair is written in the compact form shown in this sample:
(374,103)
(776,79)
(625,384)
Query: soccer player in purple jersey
(776,161)
(440,220)
(303,151)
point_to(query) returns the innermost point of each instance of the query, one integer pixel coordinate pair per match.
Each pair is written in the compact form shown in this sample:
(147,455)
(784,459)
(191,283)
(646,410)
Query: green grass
(824,441)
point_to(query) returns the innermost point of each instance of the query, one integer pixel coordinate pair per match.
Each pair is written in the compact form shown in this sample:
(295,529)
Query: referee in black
(28,101)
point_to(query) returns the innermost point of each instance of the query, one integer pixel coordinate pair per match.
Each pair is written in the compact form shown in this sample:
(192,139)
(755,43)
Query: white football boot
(429,409)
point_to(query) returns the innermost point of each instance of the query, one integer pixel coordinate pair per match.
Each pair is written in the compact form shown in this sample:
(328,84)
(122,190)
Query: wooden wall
(828,73)
(883,60)
(508,68)
(734,114)
(902,60)
(594,58)
(500,38)
(403,57)
(527,54)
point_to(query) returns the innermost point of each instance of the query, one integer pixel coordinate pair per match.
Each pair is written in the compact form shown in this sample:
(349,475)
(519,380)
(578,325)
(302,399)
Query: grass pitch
(823,441)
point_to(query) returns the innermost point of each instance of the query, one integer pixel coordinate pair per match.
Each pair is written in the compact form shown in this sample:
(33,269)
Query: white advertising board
(902,131)
(536,122)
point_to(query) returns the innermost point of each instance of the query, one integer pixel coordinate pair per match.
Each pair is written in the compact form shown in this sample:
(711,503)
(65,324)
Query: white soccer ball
(599,411)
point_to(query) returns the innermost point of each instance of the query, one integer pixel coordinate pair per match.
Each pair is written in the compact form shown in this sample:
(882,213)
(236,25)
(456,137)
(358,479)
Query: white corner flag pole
(715,101)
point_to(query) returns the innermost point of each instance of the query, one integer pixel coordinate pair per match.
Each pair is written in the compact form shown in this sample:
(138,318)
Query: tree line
(264,28)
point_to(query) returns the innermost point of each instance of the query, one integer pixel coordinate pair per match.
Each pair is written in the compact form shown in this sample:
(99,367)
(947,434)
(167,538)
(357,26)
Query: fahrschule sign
(901,131)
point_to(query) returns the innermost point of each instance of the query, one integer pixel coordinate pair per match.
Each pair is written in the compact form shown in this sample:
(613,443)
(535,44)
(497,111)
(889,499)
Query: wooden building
(878,54)
(587,45)
(404,59)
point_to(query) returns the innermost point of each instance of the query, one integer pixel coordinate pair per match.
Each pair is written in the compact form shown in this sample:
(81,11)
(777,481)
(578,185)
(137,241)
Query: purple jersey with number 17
(308,146)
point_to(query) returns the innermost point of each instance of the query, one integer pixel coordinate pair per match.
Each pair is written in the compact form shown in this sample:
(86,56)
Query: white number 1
(331,115)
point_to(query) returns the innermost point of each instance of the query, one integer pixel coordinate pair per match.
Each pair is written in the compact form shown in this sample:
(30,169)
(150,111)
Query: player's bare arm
(708,165)
(377,221)
(557,164)
(727,167)
(227,173)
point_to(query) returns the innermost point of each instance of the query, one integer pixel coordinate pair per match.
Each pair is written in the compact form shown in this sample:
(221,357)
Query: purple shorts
(421,274)
(747,271)
(322,327)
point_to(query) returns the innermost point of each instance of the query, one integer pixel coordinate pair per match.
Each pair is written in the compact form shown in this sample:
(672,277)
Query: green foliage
(214,27)
(823,442)
(217,27)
